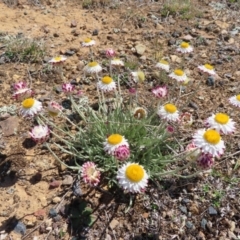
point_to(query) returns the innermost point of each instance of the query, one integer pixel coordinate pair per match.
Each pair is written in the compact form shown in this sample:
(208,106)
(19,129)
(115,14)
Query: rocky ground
(38,197)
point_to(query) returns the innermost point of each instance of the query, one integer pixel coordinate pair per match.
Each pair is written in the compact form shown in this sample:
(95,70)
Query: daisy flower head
(186,119)
(113,142)
(30,107)
(90,173)
(207,68)
(132,91)
(163,65)
(192,152)
(139,113)
(205,161)
(117,62)
(132,177)
(22,91)
(54,108)
(92,67)
(122,153)
(40,133)
(178,75)
(221,122)
(110,53)
(88,42)
(185,47)
(68,88)
(160,92)
(209,142)
(57,60)
(168,112)
(106,84)
(235,100)
(138,76)
(170,129)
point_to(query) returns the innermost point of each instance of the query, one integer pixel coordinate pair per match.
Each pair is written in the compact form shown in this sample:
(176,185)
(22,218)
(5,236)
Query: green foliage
(22,49)
(184,8)
(81,215)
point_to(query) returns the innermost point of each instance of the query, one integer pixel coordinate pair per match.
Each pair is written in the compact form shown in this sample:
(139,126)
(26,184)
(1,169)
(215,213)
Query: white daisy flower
(58,60)
(207,68)
(90,173)
(160,92)
(178,75)
(138,76)
(30,107)
(185,48)
(164,65)
(40,133)
(88,42)
(106,84)
(168,112)
(132,177)
(139,113)
(221,122)
(22,91)
(235,100)
(113,142)
(117,62)
(209,142)
(92,67)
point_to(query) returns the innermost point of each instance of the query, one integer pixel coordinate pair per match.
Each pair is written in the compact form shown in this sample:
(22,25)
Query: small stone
(113,223)
(210,81)
(212,211)
(69,53)
(20,228)
(54,184)
(95,32)
(73,24)
(176,59)
(183,209)
(56,200)
(40,214)
(140,49)
(203,223)
(68,180)
(9,126)
(58,218)
(125,30)
(52,212)
(56,34)
(171,42)
(189,225)
(30,221)
(193,105)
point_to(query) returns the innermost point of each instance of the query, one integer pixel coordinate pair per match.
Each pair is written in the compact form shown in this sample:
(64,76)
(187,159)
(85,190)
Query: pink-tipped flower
(19,85)
(192,151)
(186,119)
(205,161)
(110,53)
(22,91)
(122,153)
(90,173)
(54,108)
(132,91)
(68,88)
(160,92)
(40,133)
(170,129)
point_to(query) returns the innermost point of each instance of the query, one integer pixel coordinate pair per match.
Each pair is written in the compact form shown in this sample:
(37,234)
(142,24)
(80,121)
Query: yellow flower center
(87,40)
(28,103)
(178,72)
(58,58)
(106,80)
(208,66)
(184,45)
(141,76)
(212,136)
(134,173)
(140,113)
(238,97)
(92,64)
(221,118)
(115,139)
(170,108)
(164,62)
